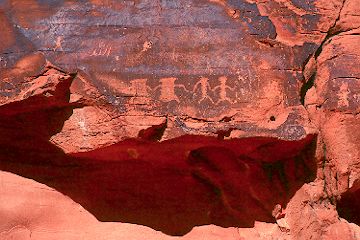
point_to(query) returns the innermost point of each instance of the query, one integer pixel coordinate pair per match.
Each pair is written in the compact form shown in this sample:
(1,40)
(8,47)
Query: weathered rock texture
(209,119)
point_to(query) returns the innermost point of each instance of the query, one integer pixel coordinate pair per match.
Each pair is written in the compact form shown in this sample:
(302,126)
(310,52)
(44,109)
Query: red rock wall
(205,119)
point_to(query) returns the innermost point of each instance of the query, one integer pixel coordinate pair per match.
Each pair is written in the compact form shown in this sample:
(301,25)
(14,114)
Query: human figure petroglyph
(240,82)
(139,89)
(223,88)
(243,86)
(167,89)
(343,95)
(204,86)
(102,50)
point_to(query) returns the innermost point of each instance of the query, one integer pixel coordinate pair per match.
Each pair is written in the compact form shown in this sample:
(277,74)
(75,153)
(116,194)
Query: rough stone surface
(209,119)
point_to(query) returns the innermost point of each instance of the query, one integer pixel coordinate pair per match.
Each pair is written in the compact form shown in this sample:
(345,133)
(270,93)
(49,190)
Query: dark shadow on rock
(348,206)
(171,186)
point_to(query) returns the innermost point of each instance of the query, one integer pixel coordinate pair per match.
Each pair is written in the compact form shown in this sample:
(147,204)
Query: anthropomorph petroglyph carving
(244,87)
(203,85)
(102,50)
(223,89)
(139,88)
(167,89)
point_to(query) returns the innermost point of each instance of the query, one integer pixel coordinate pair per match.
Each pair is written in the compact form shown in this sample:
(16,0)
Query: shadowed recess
(349,206)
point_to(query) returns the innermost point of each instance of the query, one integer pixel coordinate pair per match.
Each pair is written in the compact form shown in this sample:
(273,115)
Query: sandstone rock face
(210,119)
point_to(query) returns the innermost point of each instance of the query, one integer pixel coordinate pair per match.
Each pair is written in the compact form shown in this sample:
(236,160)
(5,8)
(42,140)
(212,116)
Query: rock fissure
(309,83)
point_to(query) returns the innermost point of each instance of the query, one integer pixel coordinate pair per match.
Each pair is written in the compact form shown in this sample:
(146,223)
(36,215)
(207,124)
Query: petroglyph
(102,50)
(167,89)
(204,86)
(140,91)
(58,44)
(244,85)
(139,88)
(146,46)
(343,95)
(223,88)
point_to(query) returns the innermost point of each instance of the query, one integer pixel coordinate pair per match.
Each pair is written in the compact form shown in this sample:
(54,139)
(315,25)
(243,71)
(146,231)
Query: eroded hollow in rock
(170,186)
(349,206)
